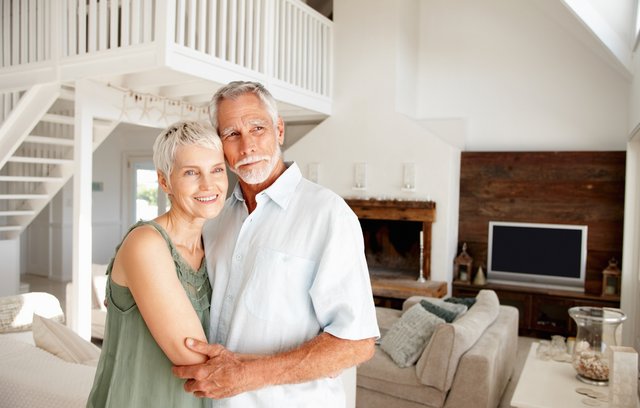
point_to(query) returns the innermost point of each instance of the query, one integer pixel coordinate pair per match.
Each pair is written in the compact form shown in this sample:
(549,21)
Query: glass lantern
(598,327)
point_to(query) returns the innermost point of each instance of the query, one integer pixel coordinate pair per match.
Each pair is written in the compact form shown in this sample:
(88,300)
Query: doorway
(144,199)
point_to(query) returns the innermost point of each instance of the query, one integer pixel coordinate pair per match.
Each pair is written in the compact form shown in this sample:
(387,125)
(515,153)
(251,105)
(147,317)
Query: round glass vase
(598,327)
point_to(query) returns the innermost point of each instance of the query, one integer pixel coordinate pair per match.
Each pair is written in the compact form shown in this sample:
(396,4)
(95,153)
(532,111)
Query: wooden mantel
(401,210)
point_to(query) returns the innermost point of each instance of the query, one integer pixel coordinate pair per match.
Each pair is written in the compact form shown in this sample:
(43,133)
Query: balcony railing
(282,39)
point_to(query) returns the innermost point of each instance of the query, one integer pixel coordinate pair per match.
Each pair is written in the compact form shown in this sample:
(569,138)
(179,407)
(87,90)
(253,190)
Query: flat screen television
(545,255)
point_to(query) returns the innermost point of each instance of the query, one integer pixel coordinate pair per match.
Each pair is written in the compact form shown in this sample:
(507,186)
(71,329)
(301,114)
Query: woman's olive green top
(133,371)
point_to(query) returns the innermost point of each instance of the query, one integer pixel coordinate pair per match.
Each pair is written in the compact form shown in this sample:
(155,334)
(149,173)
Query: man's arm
(226,374)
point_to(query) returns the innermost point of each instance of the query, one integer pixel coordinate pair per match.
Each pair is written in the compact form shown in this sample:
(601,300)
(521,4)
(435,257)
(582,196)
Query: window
(145,200)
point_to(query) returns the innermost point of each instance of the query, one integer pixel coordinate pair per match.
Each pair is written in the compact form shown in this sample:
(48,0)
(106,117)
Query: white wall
(108,166)
(630,303)
(519,80)
(10,276)
(489,75)
(365,125)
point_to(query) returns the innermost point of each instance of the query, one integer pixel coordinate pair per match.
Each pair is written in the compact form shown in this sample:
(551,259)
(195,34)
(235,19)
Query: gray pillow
(457,308)
(407,337)
(447,315)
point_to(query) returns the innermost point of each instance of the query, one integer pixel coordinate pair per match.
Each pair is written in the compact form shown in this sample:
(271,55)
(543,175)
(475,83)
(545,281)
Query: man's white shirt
(291,269)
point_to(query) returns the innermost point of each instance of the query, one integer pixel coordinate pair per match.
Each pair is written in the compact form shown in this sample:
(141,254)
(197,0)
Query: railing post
(268,38)
(53,21)
(165,26)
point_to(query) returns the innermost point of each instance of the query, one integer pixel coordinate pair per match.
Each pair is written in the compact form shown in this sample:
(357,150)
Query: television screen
(537,254)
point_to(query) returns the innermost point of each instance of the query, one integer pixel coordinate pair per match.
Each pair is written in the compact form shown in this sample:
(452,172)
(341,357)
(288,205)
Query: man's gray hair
(237,88)
(184,133)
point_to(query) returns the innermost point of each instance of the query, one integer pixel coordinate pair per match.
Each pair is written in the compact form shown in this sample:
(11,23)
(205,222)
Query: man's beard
(260,173)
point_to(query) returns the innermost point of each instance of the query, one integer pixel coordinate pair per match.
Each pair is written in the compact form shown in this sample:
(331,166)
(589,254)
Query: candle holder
(611,279)
(421,278)
(462,266)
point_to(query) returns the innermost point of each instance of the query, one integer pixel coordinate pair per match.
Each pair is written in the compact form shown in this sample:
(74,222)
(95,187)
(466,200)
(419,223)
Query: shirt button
(238,257)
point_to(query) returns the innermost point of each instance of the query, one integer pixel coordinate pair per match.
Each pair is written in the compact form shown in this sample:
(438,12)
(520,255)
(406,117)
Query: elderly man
(292,304)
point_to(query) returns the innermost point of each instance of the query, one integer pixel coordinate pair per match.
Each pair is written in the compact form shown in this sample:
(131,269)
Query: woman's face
(198,182)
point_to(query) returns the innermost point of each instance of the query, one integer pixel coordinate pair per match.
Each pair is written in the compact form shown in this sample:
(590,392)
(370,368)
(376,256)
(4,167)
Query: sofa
(42,362)
(466,363)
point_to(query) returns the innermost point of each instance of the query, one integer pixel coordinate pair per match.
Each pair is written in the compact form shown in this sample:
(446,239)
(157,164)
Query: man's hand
(223,375)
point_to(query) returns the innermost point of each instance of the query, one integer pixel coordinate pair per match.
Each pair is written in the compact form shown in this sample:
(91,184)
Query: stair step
(59,119)
(36,179)
(24,197)
(16,213)
(67,94)
(8,228)
(49,140)
(40,160)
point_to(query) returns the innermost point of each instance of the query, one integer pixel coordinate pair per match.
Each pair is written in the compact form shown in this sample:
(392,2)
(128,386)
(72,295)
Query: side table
(552,384)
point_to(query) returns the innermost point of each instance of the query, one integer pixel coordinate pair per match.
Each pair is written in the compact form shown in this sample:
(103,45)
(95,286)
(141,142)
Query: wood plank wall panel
(582,188)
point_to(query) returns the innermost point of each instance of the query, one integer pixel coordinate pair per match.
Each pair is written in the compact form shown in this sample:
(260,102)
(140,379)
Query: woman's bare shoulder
(143,247)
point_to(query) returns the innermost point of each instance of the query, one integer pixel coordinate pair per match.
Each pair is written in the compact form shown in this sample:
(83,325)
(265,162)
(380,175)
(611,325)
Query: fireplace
(392,247)
(391,231)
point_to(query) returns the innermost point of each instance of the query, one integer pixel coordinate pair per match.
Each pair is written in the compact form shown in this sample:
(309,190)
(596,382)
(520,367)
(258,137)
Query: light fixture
(409,177)
(360,176)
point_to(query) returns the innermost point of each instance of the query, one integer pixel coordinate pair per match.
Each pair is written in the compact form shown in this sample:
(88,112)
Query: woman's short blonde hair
(183,133)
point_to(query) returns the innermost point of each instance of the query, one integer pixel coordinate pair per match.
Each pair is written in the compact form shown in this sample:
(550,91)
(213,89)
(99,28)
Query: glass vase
(598,328)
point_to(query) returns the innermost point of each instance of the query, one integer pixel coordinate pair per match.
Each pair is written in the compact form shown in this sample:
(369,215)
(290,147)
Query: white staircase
(36,151)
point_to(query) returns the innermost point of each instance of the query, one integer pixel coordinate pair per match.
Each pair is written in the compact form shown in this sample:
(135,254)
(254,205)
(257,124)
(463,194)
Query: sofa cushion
(458,308)
(382,375)
(467,301)
(443,313)
(63,342)
(31,377)
(386,318)
(16,311)
(437,365)
(406,339)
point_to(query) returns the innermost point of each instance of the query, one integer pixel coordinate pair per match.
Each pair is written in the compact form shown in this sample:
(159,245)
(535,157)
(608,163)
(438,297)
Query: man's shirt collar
(281,191)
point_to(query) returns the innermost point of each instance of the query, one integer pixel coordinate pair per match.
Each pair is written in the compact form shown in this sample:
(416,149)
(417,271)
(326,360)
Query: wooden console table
(543,312)
(392,290)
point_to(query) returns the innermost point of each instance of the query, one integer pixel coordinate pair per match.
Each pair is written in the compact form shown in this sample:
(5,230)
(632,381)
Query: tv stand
(543,311)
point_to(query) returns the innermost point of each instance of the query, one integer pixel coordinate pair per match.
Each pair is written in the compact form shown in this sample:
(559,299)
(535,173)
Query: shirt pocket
(278,289)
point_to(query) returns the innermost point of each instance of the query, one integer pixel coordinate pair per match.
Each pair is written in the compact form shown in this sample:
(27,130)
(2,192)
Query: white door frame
(631,245)
(129,158)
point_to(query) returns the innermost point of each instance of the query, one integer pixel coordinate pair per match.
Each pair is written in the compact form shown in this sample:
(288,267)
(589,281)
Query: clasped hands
(223,375)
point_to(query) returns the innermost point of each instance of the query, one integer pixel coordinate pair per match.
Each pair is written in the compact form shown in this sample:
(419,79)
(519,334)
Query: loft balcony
(178,49)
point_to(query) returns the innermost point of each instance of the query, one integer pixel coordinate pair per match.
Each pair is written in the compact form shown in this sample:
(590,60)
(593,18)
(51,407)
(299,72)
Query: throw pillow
(457,309)
(446,315)
(16,311)
(467,301)
(407,337)
(63,342)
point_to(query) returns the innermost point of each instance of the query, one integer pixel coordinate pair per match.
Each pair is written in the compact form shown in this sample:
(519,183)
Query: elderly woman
(158,290)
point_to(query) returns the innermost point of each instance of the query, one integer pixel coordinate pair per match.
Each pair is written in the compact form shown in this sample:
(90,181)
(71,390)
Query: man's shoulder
(320,198)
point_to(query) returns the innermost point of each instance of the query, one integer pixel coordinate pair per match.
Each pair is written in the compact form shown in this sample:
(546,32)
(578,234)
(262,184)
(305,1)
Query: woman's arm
(144,264)
(226,374)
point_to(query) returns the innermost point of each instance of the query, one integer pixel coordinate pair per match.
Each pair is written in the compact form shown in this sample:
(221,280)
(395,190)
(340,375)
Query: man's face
(250,140)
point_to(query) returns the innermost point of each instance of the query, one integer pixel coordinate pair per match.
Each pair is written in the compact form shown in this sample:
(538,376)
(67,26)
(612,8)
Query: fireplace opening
(392,247)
